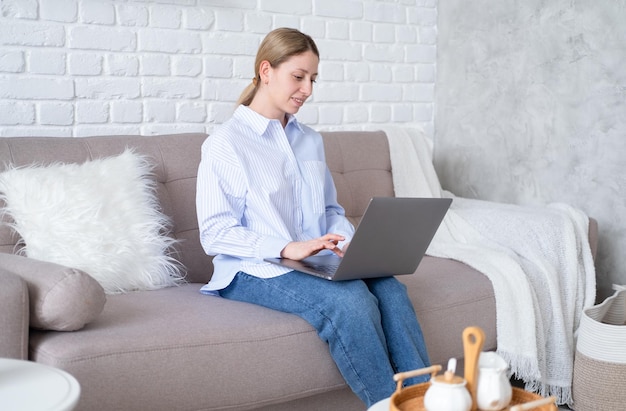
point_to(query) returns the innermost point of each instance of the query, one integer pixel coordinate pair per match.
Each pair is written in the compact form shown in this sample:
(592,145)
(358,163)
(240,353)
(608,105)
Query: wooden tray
(412,399)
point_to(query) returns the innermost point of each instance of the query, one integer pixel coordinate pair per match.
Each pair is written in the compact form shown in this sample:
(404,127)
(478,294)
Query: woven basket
(598,385)
(600,360)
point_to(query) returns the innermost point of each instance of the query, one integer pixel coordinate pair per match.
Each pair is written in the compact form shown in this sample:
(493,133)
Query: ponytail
(248,94)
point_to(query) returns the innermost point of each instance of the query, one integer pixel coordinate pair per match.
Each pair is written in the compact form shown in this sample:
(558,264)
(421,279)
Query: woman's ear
(264,71)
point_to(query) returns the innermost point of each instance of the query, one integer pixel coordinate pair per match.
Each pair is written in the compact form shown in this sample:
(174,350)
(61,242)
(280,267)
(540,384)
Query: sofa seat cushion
(207,352)
(449,296)
(178,349)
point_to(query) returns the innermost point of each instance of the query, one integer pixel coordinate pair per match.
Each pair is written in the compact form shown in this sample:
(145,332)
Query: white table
(382,405)
(29,386)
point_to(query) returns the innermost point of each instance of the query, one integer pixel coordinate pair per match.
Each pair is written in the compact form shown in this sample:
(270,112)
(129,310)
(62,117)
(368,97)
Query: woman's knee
(386,286)
(355,302)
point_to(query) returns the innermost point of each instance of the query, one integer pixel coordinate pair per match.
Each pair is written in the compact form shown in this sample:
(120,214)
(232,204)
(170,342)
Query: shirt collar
(292,121)
(259,123)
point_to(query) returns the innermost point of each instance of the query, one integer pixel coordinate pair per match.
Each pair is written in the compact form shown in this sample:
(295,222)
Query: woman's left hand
(298,250)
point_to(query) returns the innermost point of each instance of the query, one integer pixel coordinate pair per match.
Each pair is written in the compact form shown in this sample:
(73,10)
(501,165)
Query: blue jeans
(369,325)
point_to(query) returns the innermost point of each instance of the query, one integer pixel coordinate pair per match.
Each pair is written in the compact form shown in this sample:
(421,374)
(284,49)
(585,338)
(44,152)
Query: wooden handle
(534,404)
(401,376)
(473,340)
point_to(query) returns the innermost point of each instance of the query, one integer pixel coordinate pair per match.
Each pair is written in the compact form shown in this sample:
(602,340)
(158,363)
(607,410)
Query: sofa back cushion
(359,162)
(361,168)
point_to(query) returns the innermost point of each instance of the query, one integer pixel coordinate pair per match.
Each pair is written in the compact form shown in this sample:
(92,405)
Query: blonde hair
(277,47)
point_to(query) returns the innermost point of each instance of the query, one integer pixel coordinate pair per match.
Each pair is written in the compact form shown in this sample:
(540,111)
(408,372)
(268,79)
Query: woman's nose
(307,88)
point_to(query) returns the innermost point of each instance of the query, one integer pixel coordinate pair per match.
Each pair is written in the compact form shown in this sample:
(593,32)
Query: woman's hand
(298,250)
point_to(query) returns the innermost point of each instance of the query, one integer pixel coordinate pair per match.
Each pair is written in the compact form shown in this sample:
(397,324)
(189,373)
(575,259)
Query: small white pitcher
(493,389)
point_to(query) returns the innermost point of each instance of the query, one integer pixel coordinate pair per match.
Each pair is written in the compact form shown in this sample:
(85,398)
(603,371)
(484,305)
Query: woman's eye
(299,78)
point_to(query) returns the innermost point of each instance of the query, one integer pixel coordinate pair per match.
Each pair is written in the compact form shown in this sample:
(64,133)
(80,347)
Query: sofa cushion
(449,296)
(176,348)
(361,168)
(60,298)
(100,217)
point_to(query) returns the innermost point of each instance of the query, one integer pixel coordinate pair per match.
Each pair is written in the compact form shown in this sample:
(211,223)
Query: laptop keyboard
(326,269)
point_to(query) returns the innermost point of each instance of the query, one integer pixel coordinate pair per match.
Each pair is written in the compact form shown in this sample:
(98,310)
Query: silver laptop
(391,239)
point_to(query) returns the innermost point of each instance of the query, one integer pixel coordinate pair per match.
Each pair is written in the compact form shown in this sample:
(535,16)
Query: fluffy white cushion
(100,217)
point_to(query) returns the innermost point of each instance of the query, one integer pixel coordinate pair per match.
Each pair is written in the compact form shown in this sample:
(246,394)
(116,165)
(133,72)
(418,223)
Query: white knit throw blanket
(538,259)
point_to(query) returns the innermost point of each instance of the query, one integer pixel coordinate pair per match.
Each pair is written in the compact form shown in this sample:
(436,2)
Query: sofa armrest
(60,298)
(14,319)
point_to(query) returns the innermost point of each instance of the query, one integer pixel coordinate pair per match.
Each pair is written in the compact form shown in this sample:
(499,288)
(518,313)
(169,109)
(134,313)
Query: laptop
(391,239)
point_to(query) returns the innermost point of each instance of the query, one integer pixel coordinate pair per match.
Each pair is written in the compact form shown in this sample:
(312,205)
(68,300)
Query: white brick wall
(85,67)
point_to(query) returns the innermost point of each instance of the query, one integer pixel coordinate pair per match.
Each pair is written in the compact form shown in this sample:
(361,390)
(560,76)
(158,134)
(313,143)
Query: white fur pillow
(101,217)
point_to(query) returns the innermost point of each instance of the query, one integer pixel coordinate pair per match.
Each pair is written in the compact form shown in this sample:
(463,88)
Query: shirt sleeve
(220,203)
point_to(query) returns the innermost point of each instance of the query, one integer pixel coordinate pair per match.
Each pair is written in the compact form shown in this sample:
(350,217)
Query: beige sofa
(176,349)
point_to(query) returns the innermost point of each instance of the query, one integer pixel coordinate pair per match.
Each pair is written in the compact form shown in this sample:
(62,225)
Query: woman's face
(289,85)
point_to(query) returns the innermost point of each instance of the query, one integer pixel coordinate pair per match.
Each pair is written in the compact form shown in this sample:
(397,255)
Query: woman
(264,191)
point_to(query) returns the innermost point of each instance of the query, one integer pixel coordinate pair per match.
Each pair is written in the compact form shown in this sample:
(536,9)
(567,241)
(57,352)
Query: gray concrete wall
(531,109)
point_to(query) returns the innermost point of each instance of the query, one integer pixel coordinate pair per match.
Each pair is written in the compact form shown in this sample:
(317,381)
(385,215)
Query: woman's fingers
(297,250)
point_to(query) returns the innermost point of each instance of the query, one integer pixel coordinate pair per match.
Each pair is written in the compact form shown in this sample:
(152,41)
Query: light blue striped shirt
(259,187)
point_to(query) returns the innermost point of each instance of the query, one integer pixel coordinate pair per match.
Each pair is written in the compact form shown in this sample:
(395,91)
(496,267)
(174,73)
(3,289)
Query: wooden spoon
(473,340)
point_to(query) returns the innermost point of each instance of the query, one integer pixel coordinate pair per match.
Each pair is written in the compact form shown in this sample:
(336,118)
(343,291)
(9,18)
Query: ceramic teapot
(493,388)
(448,392)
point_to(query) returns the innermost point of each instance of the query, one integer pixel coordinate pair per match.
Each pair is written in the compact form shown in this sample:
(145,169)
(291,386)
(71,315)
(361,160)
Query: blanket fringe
(525,369)
(563,395)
